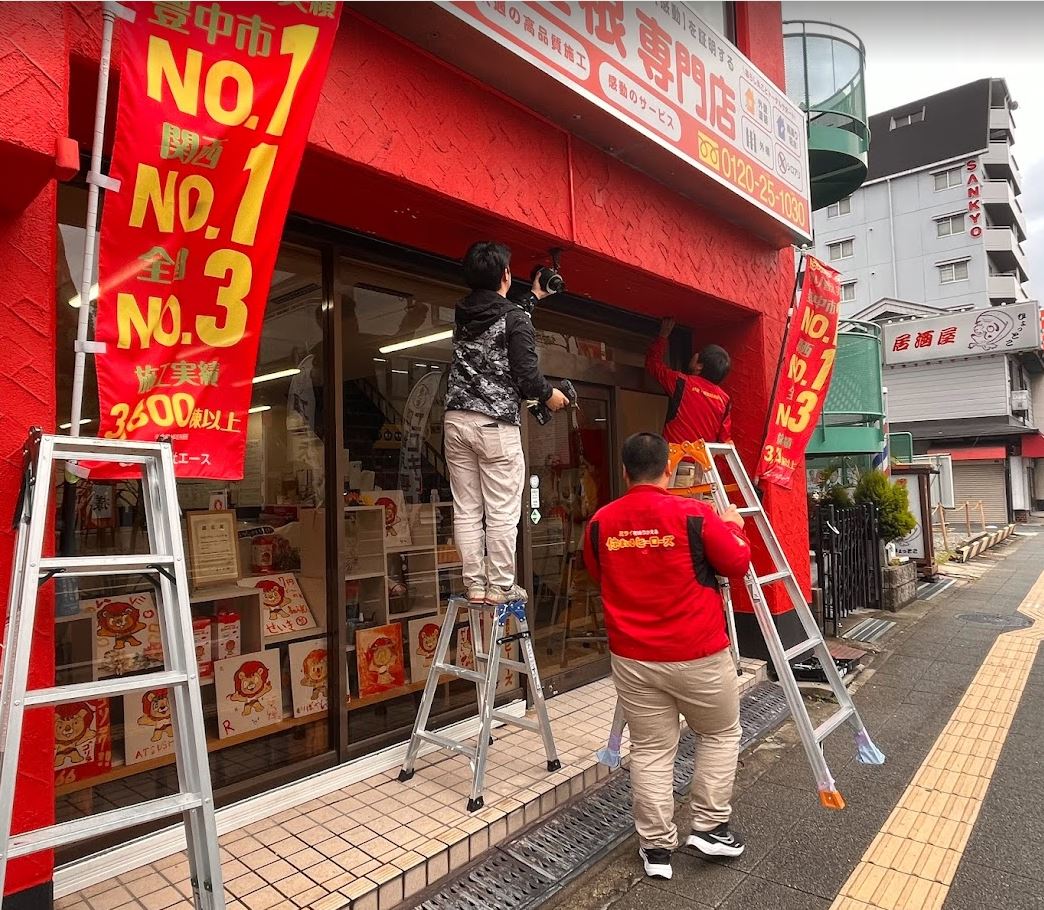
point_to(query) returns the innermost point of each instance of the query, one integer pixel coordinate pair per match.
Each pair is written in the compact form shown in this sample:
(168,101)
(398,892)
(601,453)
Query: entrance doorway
(571,476)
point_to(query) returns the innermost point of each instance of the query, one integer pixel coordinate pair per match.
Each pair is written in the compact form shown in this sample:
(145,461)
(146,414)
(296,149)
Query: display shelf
(413,548)
(219,592)
(413,614)
(296,635)
(359,576)
(121,771)
(409,689)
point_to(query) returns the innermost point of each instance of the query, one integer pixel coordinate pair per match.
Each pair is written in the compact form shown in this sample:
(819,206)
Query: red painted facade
(411,150)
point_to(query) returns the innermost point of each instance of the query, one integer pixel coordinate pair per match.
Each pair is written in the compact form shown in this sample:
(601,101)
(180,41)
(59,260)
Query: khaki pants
(706,693)
(487,474)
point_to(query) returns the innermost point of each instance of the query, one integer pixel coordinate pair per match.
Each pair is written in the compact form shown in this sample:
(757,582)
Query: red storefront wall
(409,149)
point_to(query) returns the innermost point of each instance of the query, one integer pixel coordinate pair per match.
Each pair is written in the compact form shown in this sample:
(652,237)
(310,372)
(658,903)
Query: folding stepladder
(812,738)
(488,665)
(164,564)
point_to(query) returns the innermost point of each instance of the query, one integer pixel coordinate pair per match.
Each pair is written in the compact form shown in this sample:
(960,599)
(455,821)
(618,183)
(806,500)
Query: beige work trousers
(487,474)
(706,693)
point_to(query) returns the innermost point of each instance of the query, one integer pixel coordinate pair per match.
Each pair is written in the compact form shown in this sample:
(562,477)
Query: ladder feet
(866,751)
(831,799)
(609,757)
(405,775)
(475,804)
(554,765)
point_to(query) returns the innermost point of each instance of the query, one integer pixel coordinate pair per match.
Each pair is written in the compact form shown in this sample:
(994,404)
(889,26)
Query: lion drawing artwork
(252,684)
(427,641)
(314,670)
(383,659)
(155,708)
(74,734)
(273,594)
(121,622)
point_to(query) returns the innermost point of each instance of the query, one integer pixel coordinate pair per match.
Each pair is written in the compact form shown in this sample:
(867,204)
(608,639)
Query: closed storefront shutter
(975,480)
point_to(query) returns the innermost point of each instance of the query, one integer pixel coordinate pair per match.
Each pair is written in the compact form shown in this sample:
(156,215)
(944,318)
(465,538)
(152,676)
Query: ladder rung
(801,648)
(460,672)
(526,723)
(124,564)
(104,688)
(833,722)
(444,742)
(749,510)
(515,665)
(102,823)
(774,576)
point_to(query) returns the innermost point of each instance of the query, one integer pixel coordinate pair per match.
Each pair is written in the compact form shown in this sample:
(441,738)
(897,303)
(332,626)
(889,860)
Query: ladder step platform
(490,660)
(801,648)
(773,576)
(101,823)
(130,564)
(104,688)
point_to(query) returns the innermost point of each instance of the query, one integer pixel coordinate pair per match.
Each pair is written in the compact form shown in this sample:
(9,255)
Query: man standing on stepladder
(495,367)
(655,557)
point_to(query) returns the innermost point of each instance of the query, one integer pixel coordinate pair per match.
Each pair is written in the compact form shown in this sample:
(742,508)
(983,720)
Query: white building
(937,228)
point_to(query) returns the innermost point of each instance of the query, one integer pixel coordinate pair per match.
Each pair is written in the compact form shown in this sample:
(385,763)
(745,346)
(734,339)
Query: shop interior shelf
(356,703)
(296,635)
(121,771)
(357,576)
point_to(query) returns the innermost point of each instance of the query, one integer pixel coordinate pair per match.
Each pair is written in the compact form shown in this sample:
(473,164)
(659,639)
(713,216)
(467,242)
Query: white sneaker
(720,841)
(657,862)
(477,593)
(496,595)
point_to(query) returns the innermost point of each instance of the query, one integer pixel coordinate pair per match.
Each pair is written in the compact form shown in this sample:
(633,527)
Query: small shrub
(894,519)
(837,496)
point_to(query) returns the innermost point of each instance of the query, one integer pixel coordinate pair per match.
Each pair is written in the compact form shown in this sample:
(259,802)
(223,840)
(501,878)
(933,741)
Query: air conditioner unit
(1020,401)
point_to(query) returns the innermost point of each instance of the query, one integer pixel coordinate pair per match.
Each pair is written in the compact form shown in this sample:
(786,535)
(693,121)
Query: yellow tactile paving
(912,861)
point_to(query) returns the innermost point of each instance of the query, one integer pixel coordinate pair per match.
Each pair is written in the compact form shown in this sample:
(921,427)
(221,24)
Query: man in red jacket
(656,557)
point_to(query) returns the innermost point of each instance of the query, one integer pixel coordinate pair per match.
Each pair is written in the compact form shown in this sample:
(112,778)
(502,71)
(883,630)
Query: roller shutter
(975,480)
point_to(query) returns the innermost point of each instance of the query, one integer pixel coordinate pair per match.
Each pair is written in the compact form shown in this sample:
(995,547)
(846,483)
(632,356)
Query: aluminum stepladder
(488,664)
(164,564)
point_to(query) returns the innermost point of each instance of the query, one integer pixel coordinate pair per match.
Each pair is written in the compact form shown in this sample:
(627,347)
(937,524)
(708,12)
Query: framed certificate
(213,548)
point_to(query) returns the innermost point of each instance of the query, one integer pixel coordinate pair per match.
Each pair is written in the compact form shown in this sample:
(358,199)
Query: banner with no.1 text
(808,364)
(215,104)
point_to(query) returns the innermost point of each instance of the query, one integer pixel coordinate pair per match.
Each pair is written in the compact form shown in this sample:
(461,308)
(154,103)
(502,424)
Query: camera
(550,278)
(541,412)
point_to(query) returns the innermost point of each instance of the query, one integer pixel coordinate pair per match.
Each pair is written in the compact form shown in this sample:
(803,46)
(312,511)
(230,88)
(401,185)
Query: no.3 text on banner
(215,104)
(808,364)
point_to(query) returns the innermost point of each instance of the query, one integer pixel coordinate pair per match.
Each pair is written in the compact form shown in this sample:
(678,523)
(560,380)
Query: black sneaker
(657,862)
(720,841)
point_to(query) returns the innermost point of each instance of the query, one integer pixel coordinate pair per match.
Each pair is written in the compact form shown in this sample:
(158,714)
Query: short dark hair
(484,265)
(644,457)
(715,363)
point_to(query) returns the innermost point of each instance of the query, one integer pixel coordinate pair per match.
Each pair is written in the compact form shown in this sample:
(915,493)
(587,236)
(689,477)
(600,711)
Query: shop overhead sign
(968,333)
(661,70)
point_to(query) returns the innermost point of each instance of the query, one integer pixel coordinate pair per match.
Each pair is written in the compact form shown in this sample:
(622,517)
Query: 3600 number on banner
(215,104)
(808,364)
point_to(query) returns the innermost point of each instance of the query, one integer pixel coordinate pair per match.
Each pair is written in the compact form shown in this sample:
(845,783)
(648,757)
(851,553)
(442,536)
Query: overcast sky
(915,49)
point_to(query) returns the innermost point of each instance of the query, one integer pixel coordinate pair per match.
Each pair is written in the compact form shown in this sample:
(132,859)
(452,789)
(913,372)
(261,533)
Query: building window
(906,119)
(843,207)
(848,292)
(951,224)
(953,271)
(843,249)
(944,180)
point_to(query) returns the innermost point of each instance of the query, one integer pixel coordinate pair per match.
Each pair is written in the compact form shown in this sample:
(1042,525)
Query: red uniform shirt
(655,557)
(699,409)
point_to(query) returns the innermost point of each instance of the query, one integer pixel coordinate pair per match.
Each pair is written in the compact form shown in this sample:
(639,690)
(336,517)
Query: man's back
(698,408)
(656,557)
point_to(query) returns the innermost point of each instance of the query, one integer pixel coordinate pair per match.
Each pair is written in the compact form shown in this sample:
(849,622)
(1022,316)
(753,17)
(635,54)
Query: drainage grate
(1000,620)
(523,873)
(868,630)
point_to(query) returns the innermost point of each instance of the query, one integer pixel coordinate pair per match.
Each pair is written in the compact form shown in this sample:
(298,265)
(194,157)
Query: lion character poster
(249,692)
(283,605)
(424,639)
(380,661)
(126,633)
(309,678)
(82,740)
(148,725)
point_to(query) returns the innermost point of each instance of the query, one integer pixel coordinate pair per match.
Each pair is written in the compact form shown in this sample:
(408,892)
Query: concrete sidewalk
(986,846)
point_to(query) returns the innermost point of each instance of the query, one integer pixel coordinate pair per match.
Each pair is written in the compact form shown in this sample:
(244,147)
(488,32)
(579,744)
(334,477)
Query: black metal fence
(848,560)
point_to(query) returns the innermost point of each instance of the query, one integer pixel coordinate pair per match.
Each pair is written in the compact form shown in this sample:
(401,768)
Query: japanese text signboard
(808,364)
(967,333)
(215,105)
(660,69)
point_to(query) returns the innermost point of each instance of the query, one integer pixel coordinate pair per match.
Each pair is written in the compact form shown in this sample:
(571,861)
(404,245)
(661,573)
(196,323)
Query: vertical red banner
(215,104)
(808,364)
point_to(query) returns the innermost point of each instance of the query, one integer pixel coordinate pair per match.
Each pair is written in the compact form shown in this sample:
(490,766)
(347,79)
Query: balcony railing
(1002,245)
(1005,288)
(999,160)
(1004,209)
(1001,119)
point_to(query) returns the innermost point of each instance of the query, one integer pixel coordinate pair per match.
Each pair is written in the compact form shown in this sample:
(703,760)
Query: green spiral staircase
(824,66)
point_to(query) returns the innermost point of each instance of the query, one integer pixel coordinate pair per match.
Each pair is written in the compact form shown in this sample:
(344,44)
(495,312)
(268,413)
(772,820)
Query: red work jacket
(656,558)
(698,409)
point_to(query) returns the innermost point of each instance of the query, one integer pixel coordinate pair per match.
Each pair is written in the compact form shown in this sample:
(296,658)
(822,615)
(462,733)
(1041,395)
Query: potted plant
(894,522)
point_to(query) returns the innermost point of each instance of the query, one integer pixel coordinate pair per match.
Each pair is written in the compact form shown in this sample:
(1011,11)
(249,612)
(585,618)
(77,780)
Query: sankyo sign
(214,109)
